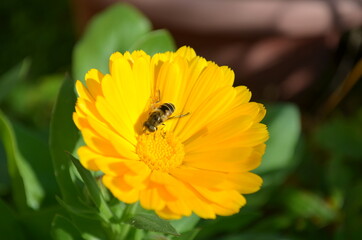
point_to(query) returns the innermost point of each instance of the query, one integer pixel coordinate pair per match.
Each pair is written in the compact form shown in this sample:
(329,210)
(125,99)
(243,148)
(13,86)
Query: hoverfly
(159,115)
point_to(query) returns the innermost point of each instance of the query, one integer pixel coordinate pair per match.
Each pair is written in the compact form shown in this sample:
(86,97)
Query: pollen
(160,150)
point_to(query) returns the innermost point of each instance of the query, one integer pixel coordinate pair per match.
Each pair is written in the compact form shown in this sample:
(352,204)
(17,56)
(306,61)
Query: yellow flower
(197,163)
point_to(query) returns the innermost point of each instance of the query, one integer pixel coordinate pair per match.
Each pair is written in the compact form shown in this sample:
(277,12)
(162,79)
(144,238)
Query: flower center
(160,150)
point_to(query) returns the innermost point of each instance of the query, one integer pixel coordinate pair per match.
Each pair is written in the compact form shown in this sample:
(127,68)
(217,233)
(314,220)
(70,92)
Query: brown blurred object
(278,48)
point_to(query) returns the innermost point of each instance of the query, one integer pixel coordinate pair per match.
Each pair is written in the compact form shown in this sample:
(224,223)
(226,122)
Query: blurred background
(305,55)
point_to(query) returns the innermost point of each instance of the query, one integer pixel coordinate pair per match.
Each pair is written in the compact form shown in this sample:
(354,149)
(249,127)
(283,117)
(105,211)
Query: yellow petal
(80,122)
(116,110)
(255,135)
(120,189)
(98,143)
(243,95)
(166,213)
(205,112)
(95,75)
(108,164)
(143,76)
(125,84)
(169,82)
(186,52)
(123,146)
(183,192)
(151,199)
(138,177)
(88,158)
(231,160)
(218,137)
(86,109)
(179,207)
(233,199)
(83,91)
(191,75)
(93,80)
(199,177)
(261,114)
(246,182)
(229,75)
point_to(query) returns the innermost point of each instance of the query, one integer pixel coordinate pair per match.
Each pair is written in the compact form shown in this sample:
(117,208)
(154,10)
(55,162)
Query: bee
(159,115)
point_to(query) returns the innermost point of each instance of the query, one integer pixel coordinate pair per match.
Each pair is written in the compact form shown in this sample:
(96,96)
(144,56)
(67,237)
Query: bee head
(148,127)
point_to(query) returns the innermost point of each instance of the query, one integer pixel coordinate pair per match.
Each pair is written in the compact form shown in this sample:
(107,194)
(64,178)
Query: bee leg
(144,130)
(179,116)
(155,101)
(159,96)
(161,129)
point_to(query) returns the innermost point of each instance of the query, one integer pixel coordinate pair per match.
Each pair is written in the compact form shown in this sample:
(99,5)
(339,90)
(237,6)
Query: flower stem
(129,211)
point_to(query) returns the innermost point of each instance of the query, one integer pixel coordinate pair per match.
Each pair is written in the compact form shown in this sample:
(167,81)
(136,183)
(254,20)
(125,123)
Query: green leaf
(185,224)
(257,236)
(63,137)
(9,227)
(94,191)
(5,184)
(63,229)
(117,207)
(84,212)
(115,29)
(33,100)
(220,225)
(308,205)
(342,135)
(190,235)
(283,152)
(277,222)
(13,77)
(139,234)
(339,174)
(35,149)
(38,223)
(283,121)
(352,221)
(151,222)
(155,42)
(26,188)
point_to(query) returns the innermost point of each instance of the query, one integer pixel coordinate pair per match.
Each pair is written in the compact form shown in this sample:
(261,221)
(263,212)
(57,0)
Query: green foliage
(63,137)
(13,77)
(63,229)
(185,224)
(341,136)
(9,226)
(154,42)
(119,28)
(39,30)
(308,205)
(283,121)
(312,186)
(189,235)
(94,191)
(150,222)
(33,102)
(26,187)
